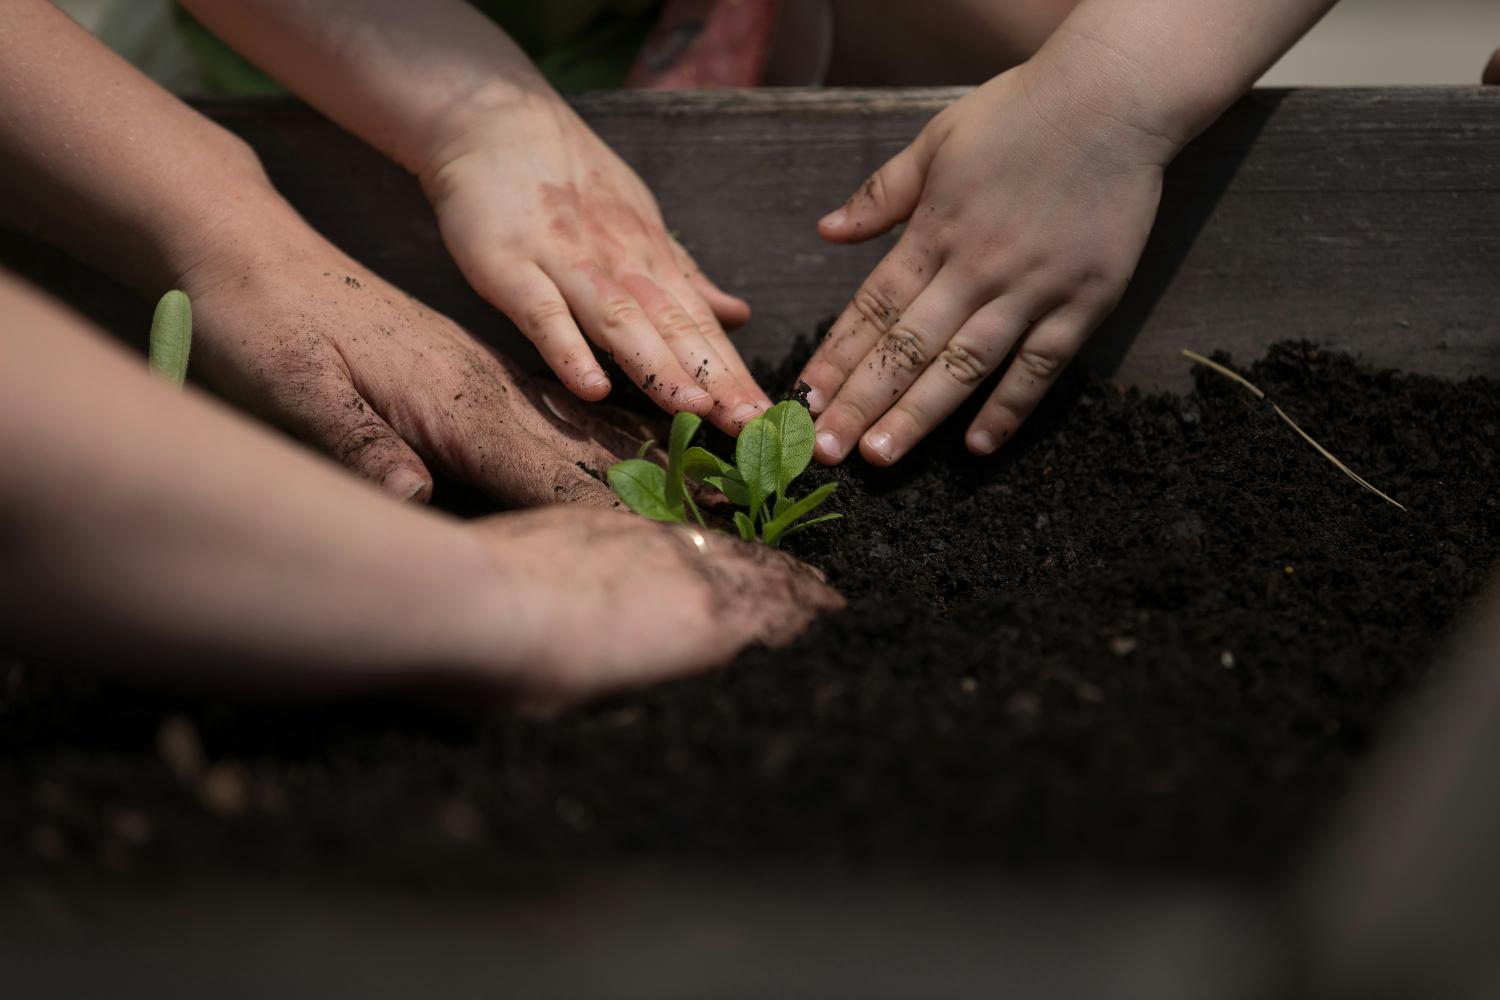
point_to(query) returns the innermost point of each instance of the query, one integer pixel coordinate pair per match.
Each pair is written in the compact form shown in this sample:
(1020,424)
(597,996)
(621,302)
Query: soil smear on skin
(1156,635)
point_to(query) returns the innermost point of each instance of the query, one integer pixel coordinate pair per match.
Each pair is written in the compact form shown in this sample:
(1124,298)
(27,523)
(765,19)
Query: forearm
(405,77)
(1169,68)
(100,161)
(166,533)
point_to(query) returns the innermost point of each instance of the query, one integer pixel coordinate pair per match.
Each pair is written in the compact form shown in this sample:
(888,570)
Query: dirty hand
(1026,213)
(651,601)
(299,333)
(559,234)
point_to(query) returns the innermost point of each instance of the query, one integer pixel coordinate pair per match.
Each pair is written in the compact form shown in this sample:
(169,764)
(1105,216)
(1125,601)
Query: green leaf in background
(642,485)
(771,533)
(700,463)
(794,425)
(758,453)
(684,426)
(171,336)
(746,526)
(732,486)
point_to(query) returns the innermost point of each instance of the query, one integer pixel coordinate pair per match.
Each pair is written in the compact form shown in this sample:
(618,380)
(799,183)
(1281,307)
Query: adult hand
(651,601)
(1026,213)
(299,333)
(559,234)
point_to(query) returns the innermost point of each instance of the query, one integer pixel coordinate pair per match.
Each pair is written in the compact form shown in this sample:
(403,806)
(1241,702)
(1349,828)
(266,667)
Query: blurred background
(1361,43)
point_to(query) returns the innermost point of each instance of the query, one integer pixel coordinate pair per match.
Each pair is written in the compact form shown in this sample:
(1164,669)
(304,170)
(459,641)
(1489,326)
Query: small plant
(773,450)
(171,336)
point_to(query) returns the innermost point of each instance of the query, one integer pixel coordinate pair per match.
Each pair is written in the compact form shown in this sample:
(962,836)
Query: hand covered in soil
(559,234)
(1026,214)
(651,601)
(307,338)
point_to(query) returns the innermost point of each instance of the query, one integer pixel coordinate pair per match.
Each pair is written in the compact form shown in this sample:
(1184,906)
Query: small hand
(302,335)
(649,601)
(559,234)
(1023,228)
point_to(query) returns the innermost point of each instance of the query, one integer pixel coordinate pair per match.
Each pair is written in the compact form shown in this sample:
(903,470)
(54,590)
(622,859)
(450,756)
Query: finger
(887,196)
(892,364)
(959,368)
(889,289)
(1492,71)
(730,310)
(744,386)
(316,399)
(616,321)
(533,303)
(734,403)
(1044,352)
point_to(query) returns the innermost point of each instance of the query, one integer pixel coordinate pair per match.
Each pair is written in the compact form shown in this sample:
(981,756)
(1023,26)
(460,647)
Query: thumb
(887,197)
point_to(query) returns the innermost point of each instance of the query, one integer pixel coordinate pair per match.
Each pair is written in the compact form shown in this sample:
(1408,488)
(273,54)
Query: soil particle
(1152,634)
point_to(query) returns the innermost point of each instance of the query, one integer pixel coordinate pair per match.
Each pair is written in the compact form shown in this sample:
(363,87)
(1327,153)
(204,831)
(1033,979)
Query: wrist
(1112,101)
(520,102)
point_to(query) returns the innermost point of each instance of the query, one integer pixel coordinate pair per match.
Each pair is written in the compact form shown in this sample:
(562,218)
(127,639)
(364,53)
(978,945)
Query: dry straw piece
(1260,394)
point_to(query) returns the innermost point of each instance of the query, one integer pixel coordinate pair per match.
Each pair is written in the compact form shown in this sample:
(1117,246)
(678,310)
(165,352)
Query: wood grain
(1367,220)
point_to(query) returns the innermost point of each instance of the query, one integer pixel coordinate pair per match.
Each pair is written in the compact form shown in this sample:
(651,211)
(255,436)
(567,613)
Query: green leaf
(732,486)
(684,426)
(794,425)
(757,454)
(699,463)
(771,533)
(171,336)
(746,526)
(642,485)
(645,447)
(809,523)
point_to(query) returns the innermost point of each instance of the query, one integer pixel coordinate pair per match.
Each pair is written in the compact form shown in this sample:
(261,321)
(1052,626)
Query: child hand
(559,234)
(1026,213)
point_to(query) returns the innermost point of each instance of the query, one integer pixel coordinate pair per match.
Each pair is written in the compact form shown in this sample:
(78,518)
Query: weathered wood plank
(1368,220)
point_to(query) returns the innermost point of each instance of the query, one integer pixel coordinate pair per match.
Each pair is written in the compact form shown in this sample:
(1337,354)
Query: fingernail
(404,483)
(744,413)
(594,380)
(815,401)
(981,442)
(691,395)
(881,445)
(828,445)
(834,218)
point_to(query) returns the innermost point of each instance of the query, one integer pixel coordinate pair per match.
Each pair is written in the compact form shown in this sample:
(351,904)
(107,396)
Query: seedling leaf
(757,453)
(732,486)
(642,485)
(794,426)
(810,522)
(684,426)
(700,463)
(746,526)
(646,446)
(771,533)
(171,336)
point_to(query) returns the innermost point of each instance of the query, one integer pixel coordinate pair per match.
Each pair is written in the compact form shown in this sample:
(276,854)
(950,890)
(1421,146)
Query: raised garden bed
(1157,638)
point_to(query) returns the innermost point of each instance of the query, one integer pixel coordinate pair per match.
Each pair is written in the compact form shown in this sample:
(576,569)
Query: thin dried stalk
(1260,394)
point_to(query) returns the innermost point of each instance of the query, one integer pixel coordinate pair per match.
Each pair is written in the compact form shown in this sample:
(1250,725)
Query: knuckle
(849,412)
(875,305)
(963,365)
(902,348)
(1039,364)
(359,442)
(674,324)
(543,314)
(618,313)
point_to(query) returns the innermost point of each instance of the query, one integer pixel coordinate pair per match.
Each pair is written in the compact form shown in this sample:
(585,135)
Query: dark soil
(1157,635)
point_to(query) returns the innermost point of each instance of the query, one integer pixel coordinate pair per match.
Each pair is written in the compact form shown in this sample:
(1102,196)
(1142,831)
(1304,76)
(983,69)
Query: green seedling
(773,450)
(171,336)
